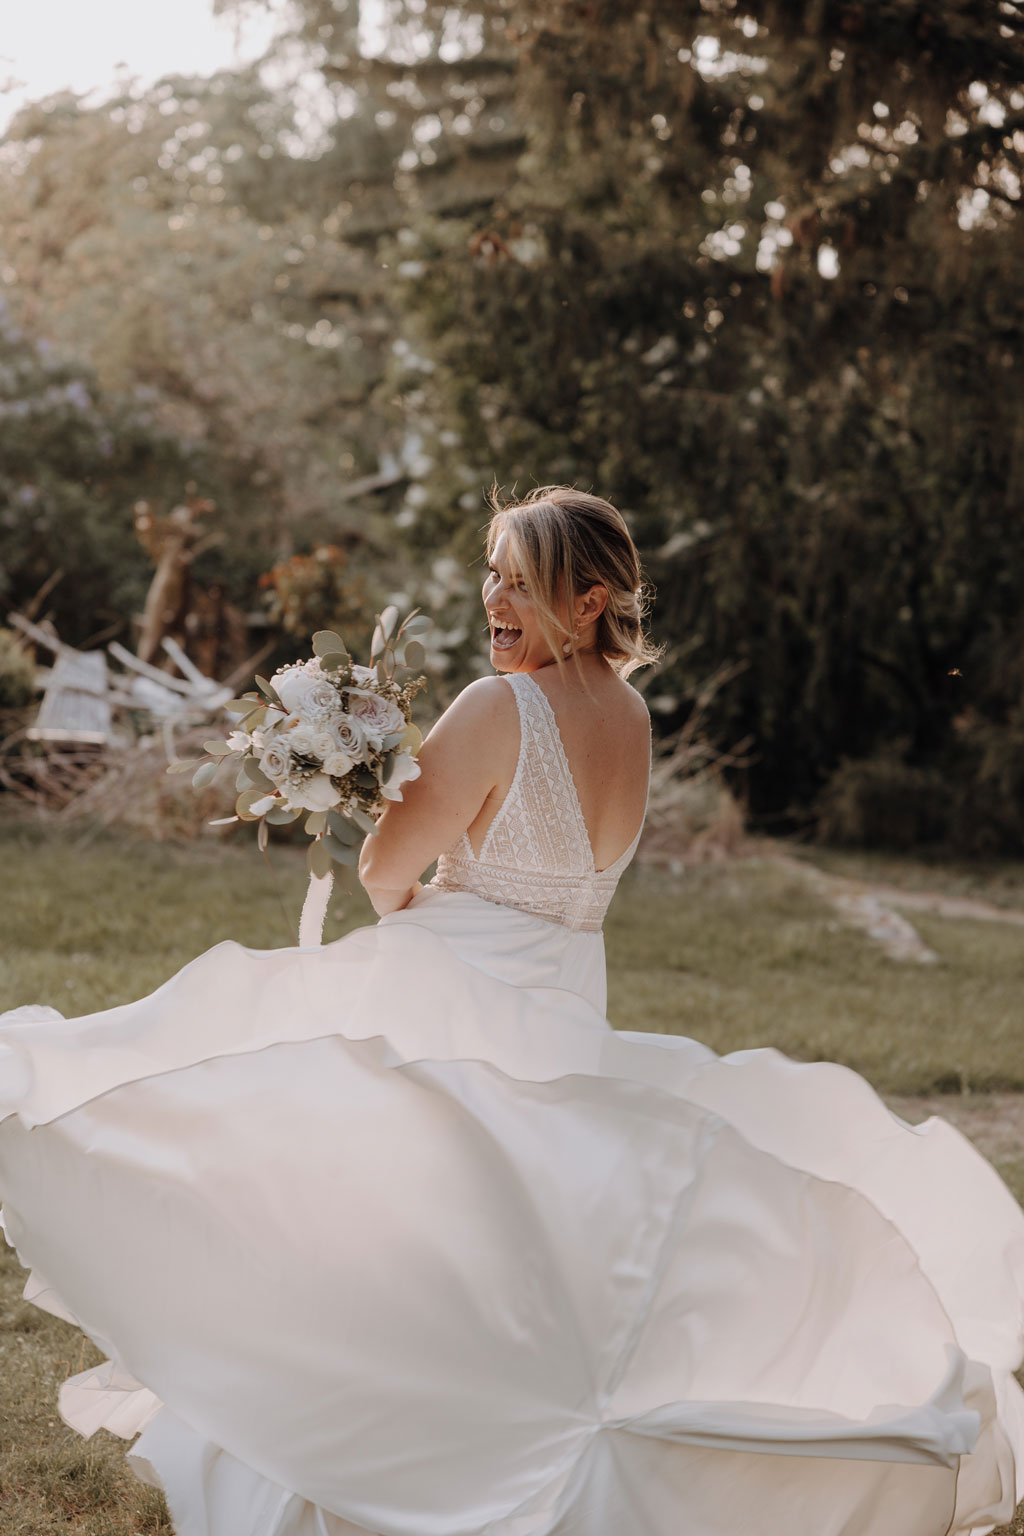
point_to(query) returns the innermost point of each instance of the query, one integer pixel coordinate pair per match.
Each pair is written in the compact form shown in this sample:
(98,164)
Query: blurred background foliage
(750,268)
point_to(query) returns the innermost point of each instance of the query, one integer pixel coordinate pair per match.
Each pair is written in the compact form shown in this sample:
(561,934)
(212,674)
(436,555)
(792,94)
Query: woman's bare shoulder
(486,696)
(494,690)
(486,704)
(630,704)
(634,701)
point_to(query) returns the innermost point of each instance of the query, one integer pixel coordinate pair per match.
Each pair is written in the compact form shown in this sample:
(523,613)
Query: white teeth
(504,636)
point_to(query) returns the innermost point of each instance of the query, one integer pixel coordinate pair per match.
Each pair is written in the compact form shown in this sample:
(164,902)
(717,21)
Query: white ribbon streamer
(314,910)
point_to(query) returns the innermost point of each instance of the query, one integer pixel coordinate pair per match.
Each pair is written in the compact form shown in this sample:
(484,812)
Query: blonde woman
(398,1236)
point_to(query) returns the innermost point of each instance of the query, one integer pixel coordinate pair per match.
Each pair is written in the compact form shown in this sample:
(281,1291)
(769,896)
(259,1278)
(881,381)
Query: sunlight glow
(57,45)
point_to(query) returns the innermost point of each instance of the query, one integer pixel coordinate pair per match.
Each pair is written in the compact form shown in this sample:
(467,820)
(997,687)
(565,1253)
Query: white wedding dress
(398,1236)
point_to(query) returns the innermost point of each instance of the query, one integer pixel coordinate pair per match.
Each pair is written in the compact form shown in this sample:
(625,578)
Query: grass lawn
(746,954)
(738,955)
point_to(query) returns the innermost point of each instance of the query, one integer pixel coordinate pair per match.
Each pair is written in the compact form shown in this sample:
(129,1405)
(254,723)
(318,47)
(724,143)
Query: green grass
(737,955)
(746,955)
(91,923)
(50,1479)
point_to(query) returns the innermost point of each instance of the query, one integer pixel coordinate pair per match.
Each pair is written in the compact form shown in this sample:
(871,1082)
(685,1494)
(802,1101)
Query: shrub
(17,672)
(883,801)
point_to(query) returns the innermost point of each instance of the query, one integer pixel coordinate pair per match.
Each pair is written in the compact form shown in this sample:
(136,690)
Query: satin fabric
(398,1236)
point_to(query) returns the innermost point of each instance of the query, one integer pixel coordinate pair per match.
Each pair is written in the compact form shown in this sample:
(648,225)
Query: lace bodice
(536,855)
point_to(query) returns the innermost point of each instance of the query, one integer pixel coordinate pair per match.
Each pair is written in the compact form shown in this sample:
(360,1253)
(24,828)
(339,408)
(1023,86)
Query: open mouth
(504,636)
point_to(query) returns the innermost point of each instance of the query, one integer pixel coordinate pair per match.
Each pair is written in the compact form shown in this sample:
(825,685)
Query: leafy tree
(747,268)
(756,280)
(71,464)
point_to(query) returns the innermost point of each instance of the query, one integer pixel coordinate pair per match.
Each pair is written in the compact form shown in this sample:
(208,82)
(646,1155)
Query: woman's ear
(590,605)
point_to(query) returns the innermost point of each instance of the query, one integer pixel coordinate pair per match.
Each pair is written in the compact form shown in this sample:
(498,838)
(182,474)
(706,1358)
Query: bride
(398,1236)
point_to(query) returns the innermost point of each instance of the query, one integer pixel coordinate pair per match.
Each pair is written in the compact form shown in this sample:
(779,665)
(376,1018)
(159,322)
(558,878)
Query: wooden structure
(76,707)
(83,696)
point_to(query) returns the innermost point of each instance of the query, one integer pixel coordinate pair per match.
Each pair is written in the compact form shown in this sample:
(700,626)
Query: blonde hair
(563,542)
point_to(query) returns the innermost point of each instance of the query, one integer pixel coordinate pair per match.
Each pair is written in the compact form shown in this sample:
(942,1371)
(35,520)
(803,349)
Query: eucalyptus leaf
(216,748)
(383,675)
(388,620)
(223,821)
(333,660)
(254,773)
(246,800)
(377,643)
(343,829)
(204,775)
(394,740)
(242,779)
(365,777)
(316,822)
(387,767)
(416,624)
(341,853)
(268,690)
(281,815)
(326,641)
(240,706)
(254,719)
(262,836)
(185,766)
(318,859)
(415,655)
(362,820)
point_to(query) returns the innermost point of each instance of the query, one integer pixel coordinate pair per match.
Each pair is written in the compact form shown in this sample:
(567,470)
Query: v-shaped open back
(537,854)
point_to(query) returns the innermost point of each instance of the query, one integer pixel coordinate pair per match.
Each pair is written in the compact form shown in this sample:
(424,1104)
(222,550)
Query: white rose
(316,793)
(337,764)
(378,717)
(365,675)
(321,699)
(305,741)
(344,734)
(405,770)
(292,685)
(303,690)
(276,761)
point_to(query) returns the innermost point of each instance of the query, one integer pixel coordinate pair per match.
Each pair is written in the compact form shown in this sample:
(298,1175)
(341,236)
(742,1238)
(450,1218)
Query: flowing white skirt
(397,1236)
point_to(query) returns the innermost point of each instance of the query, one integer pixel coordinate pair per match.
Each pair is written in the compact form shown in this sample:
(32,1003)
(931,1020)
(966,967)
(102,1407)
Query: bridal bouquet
(326,737)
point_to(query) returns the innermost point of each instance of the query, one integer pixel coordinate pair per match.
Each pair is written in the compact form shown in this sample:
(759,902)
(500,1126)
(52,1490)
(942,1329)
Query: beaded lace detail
(537,855)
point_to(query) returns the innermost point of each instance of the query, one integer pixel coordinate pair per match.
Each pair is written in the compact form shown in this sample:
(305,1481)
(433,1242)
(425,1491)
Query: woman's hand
(464,758)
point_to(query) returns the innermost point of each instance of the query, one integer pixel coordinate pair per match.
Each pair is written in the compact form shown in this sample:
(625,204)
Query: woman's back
(603,729)
(605,732)
(546,841)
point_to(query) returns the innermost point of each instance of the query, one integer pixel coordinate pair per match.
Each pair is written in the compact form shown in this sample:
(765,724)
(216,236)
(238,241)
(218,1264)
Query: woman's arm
(464,758)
